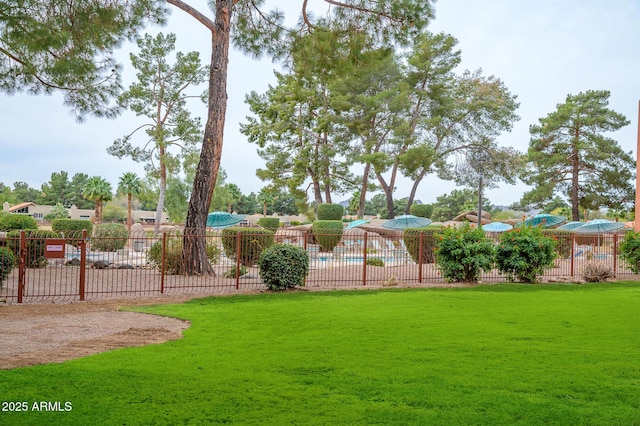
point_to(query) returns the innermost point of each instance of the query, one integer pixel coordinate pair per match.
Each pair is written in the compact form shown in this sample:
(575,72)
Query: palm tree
(98,190)
(129,184)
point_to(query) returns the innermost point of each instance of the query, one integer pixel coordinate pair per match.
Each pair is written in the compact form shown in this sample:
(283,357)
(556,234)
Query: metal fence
(70,268)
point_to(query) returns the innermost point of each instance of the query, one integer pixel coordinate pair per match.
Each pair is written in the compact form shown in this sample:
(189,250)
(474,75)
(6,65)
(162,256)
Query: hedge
(329,212)
(253,241)
(328,233)
(10,222)
(270,223)
(421,210)
(430,238)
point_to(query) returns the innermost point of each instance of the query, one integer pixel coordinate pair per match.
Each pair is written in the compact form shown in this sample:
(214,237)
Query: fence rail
(144,265)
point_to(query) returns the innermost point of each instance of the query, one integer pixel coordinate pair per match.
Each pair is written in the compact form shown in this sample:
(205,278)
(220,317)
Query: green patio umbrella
(599,226)
(357,223)
(570,226)
(406,221)
(223,219)
(544,220)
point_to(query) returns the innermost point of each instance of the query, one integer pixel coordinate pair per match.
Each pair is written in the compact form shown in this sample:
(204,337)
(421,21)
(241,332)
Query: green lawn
(503,354)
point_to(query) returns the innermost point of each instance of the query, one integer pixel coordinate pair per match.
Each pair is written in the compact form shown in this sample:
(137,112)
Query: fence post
(238,247)
(22,264)
(83,264)
(163,264)
(573,250)
(615,255)
(420,244)
(364,259)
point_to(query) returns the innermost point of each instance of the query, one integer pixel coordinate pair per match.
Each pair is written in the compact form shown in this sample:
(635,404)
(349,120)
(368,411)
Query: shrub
(328,233)
(430,240)
(630,251)
(10,222)
(270,223)
(563,239)
(231,273)
(7,261)
(77,225)
(421,210)
(252,242)
(596,272)
(35,246)
(524,254)
(463,253)
(329,212)
(375,261)
(173,253)
(283,266)
(109,237)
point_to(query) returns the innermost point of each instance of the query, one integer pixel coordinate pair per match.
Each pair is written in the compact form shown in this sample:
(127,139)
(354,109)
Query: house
(39,212)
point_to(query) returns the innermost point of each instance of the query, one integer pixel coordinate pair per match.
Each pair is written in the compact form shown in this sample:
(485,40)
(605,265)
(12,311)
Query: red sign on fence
(54,248)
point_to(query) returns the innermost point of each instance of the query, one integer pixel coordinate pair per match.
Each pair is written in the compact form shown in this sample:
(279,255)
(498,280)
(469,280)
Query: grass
(503,354)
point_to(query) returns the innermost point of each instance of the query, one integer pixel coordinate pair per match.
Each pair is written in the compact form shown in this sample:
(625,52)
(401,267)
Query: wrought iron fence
(69,267)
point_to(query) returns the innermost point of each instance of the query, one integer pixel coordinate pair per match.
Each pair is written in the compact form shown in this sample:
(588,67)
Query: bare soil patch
(51,333)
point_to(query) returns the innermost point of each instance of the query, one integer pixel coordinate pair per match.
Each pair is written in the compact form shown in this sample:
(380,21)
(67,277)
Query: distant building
(39,212)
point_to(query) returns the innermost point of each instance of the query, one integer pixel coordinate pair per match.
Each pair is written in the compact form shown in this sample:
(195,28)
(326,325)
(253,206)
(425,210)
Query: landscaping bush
(109,237)
(75,225)
(421,210)
(253,241)
(329,212)
(524,254)
(375,261)
(270,223)
(463,253)
(35,246)
(327,233)
(630,251)
(563,239)
(596,272)
(10,222)
(283,266)
(173,253)
(231,272)
(430,241)
(7,261)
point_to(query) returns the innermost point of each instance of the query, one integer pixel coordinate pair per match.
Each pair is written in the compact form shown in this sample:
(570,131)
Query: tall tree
(78,181)
(23,193)
(52,45)
(57,190)
(570,152)
(160,95)
(98,190)
(129,184)
(257,31)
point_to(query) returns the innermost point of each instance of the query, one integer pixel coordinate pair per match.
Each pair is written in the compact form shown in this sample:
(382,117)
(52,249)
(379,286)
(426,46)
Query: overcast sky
(541,50)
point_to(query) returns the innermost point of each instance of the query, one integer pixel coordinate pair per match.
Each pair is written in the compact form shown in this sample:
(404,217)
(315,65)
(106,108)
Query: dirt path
(46,333)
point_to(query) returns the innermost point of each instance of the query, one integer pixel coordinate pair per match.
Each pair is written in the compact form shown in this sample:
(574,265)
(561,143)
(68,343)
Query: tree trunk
(575,175)
(163,191)
(129,219)
(363,191)
(388,193)
(414,189)
(194,253)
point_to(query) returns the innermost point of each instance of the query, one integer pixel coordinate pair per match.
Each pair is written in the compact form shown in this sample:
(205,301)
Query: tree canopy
(571,153)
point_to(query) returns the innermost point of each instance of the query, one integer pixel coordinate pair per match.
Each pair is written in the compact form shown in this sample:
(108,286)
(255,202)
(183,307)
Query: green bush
(270,223)
(329,212)
(35,246)
(283,266)
(421,210)
(109,237)
(375,261)
(463,253)
(173,253)
(76,225)
(630,251)
(253,241)
(328,233)
(524,254)
(10,222)
(563,239)
(231,272)
(430,239)
(7,261)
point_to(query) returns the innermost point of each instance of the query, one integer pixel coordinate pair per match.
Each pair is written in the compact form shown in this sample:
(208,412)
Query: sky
(541,50)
